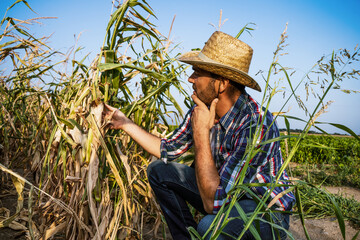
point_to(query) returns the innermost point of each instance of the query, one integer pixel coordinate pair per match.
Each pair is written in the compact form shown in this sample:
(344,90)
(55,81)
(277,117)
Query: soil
(347,192)
(318,229)
(327,228)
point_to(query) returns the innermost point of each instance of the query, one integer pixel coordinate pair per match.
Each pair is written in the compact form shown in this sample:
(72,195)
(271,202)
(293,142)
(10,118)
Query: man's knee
(205,224)
(152,168)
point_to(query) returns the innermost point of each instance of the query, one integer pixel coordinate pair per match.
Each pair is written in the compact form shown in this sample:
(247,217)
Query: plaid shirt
(229,138)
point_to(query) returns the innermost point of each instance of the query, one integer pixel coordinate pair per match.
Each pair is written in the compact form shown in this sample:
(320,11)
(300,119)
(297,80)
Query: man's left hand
(203,119)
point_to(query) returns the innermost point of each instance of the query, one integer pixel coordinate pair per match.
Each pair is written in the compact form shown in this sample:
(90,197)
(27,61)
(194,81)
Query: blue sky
(315,28)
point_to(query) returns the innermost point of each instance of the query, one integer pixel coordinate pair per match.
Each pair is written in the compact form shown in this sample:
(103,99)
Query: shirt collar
(226,120)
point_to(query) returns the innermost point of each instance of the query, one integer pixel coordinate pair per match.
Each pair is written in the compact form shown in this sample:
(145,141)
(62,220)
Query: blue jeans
(175,185)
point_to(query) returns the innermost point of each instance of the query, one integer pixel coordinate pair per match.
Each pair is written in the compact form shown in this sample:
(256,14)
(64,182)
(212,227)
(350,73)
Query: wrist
(127,125)
(201,137)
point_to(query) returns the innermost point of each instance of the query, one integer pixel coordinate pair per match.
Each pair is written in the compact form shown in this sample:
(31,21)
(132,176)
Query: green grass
(328,174)
(319,149)
(317,204)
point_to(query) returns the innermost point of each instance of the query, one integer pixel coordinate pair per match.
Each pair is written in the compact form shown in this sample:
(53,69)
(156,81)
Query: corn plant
(319,149)
(24,124)
(93,183)
(24,60)
(101,175)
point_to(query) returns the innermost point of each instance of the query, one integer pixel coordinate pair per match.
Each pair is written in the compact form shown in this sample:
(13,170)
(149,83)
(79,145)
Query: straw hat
(226,56)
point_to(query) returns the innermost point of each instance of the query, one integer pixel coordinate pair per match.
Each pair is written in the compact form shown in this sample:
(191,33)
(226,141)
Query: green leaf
(247,222)
(301,213)
(356,235)
(147,8)
(280,138)
(339,216)
(141,28)
(318,145)
(109,66)
(342,127)
(245,28)
(193,233)
(287,124)
(17,1)
(66,122)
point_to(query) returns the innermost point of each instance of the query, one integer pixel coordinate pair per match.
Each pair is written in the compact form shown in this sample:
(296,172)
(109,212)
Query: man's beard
(208,94)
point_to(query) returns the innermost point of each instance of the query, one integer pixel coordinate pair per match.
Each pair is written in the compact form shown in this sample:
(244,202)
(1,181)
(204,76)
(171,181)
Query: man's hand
(203,119)
(114,117)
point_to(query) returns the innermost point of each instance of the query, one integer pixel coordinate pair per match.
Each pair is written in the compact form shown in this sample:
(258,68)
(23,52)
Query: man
(219,127)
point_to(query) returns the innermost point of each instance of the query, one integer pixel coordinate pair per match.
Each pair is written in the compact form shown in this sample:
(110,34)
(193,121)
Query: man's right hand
(116,119)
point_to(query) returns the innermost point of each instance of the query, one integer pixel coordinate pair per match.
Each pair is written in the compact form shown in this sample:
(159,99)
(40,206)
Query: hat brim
(229,72)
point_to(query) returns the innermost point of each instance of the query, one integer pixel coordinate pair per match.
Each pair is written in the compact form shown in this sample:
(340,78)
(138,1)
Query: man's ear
(224,84)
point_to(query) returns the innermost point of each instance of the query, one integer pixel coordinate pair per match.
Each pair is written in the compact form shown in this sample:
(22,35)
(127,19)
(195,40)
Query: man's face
(203,85)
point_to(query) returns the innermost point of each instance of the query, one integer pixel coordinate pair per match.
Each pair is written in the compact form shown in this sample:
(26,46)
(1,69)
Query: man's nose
(191,79)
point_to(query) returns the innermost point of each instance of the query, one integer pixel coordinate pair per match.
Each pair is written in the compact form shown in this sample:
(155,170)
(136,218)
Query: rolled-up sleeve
(179,142)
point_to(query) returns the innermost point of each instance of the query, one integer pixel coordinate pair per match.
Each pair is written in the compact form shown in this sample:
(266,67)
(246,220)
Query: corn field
(321,149)
(93,183)
(81,180)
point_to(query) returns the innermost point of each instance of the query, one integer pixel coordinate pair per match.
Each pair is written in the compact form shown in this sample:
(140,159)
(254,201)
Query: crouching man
(219,126)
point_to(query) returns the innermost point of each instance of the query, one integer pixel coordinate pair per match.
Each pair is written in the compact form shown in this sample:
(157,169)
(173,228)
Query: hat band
(206,58)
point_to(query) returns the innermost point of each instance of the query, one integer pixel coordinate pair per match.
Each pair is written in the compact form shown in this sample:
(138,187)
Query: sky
(314,29)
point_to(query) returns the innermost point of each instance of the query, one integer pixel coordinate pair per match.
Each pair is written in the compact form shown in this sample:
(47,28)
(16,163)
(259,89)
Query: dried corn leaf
(57,201)
(140,190)
(112,165)
(6,222)
(4,212)
(97,111)
(36,161)
(17,226)
(124,160)
(54,229)
(106,211)
(34,232)
(78,136)
(115,222)
(91,182)
(73,179)
(19,186)
(93,172)
(61,125)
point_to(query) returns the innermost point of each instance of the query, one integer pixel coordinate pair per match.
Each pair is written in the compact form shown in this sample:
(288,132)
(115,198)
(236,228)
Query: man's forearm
(146,140)
(206,173)
(118,120)
(207,177)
